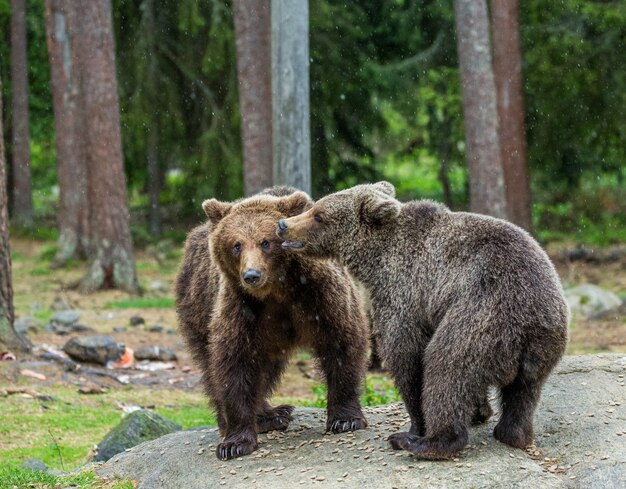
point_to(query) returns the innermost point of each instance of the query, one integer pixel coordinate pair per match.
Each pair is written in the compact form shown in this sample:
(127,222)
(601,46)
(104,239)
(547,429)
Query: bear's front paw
(277,418)
(229,449)
(343,425)
(403,440)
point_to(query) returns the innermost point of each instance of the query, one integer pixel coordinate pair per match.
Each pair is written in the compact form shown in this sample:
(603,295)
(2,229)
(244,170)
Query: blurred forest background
(385,103)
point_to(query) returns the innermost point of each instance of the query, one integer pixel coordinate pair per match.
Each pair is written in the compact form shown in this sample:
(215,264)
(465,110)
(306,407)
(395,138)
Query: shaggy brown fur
(461,302)
(245,304)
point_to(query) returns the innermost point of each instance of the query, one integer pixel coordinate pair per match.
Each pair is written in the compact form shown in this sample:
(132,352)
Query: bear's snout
(282,226)
(251,276)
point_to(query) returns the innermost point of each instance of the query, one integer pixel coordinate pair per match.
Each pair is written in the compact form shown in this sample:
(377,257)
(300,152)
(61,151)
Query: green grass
(26,478)
(62,432)
(378,390)
(142,303)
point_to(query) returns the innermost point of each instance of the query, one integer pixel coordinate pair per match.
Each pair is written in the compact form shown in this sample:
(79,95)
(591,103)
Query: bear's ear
(216,210)
(386,188)
(376,208)
(294,204)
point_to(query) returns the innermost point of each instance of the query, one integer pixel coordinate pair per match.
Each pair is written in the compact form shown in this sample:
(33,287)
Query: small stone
(35,464)
(136,320)
(156,328)
(65,318)
(155,352)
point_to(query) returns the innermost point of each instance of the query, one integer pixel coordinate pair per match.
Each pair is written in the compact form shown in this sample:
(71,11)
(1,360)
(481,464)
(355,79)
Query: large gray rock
(27,324)
(591,300)
(137,427)
(93,349)
(580,437)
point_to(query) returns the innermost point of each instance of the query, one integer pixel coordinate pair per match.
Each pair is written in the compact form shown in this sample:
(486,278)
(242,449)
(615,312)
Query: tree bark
(507,70)
(72,218)
(487,194)
(8,336)
(111,261)
(254,63)
(22,188)
(291,133)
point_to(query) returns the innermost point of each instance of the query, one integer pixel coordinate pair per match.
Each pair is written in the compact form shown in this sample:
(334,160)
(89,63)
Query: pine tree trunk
(487,194)
(507,70)
(111,261)
(22,188)
(73,216)
(8,336)
(254,63)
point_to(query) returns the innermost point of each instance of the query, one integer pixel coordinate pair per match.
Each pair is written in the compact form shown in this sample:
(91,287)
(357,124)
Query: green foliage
(142,303)
(386,103)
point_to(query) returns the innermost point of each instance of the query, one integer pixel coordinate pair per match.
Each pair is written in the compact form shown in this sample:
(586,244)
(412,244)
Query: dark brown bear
(245,305)
(461,302)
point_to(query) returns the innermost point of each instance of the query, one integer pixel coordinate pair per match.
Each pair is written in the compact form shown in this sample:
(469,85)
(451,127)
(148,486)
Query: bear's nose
(282,226)
(251,276)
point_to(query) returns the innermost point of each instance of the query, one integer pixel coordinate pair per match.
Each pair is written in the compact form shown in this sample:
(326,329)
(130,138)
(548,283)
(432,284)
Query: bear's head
(338,221)
(243,239)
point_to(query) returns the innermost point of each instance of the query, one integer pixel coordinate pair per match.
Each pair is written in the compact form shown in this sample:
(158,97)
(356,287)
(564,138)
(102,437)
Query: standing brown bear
(245,304)
(461,302)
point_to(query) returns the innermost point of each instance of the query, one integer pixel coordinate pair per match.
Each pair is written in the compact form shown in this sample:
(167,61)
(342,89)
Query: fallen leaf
(127,360)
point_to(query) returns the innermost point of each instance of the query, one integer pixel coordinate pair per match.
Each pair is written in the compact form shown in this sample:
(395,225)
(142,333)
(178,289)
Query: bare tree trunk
(487,195)
(291,134)
(112,264)
(22,189)
(254,64)
(73,205)
(8,336)
(507,70)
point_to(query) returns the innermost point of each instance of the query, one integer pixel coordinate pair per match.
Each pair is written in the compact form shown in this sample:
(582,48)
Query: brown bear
(245,304)
(461,302)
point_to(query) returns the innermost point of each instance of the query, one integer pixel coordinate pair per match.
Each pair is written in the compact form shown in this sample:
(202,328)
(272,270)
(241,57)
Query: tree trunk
(22,190)
(291,133)
(73,216)
(487,195)
(152,140)
(254,63)
(507,70)
(111,262)
(8,336)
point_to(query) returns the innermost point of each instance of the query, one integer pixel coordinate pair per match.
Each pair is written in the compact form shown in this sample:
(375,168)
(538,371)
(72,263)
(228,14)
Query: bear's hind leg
(519,400)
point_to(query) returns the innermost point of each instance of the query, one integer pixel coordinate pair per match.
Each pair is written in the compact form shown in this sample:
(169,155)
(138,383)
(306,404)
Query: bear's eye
(237,247)
(265,245)
(318,217)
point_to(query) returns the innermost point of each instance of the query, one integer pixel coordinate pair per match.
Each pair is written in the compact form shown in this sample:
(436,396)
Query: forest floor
(49,419)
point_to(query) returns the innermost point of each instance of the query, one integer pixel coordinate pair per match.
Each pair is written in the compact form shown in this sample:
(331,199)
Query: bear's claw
(228,450)
(343,425)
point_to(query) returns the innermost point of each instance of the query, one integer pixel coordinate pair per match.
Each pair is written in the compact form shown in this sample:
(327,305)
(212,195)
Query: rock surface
(98,349)
(137,427)
(580,443)
(154,352)
(34,464)
(591,300)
